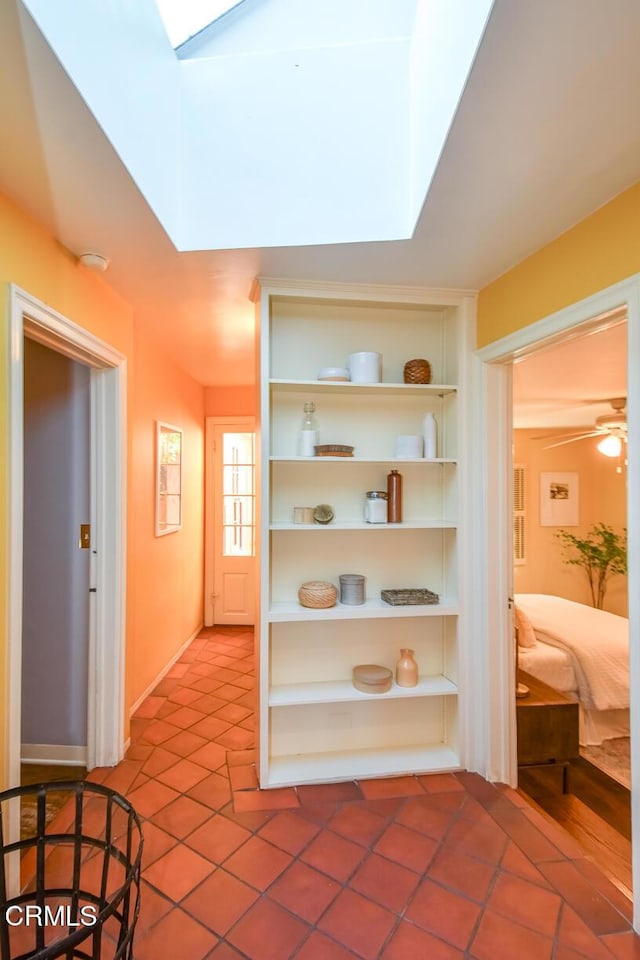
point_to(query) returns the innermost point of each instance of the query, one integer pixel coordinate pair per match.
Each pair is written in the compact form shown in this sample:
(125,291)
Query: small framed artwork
(168,478)
(559,505)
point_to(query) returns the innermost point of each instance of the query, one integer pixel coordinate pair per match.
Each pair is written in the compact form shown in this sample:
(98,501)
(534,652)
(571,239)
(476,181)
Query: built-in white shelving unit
(314,725)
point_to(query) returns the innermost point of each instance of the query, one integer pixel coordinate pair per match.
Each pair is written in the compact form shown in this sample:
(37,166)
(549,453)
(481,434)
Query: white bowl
(333,373)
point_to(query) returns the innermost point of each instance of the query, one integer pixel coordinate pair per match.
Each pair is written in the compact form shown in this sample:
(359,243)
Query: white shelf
(291,610)
(361,764)
(313,728)
(332,386)
(316,460)
(361,525)
(343,691)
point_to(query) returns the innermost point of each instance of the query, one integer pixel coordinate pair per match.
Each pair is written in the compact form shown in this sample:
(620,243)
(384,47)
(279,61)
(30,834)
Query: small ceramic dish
(339,374)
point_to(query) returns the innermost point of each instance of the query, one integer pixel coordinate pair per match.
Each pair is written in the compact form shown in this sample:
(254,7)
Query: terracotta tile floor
(443,867)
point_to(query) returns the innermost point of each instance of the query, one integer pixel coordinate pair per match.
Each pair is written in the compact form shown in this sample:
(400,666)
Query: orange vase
(406,669)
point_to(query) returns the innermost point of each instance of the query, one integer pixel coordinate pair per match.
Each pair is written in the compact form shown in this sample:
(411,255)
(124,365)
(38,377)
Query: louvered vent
(519,501)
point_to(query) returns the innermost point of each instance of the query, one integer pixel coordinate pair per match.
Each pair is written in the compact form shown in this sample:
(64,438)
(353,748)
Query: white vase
(430,434)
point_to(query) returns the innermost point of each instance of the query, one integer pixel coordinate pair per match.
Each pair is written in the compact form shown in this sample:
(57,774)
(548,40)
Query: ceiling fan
(612,427)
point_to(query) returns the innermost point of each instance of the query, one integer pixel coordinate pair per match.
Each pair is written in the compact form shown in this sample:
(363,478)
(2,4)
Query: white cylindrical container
(365,367)
(430,434)
(375,506)
(409,446)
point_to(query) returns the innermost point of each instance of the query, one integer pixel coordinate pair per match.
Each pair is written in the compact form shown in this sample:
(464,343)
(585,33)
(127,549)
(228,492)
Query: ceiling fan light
(610,446)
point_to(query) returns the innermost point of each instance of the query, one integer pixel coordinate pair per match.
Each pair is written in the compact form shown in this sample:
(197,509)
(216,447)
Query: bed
(580,651)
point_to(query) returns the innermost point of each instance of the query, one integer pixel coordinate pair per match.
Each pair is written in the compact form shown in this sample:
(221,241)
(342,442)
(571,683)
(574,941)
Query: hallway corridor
(443,867)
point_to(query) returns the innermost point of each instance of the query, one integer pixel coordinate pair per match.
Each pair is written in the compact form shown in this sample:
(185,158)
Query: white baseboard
(164,671)
(64,756)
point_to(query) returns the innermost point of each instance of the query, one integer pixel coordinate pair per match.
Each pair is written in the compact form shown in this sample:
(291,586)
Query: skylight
(184,18)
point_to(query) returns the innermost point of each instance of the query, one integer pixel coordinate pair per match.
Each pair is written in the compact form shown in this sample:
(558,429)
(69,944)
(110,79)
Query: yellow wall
(600,251)
(602,499)
(164,575)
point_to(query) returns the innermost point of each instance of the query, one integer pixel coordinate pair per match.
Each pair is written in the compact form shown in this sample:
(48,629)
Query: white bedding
(596,643)
(550,664)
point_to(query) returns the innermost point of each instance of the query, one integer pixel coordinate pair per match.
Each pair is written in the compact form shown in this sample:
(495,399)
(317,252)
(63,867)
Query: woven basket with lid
(318,594)
(417,371)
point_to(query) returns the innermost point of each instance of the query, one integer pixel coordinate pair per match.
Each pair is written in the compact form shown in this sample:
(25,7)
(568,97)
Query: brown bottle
(394,495)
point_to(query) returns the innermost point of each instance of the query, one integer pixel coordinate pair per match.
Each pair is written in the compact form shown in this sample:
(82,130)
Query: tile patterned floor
(445,866)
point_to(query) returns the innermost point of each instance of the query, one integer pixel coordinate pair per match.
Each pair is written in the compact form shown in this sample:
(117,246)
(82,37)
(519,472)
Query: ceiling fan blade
(562,436)
(582,436)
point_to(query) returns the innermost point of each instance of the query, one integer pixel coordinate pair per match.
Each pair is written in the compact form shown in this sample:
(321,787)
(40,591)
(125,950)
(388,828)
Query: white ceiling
(548,129)
(571,383)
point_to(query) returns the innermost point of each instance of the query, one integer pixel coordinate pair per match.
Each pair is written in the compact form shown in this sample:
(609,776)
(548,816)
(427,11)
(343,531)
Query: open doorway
(105,662)
(57,585)
(570,518)
(494,372)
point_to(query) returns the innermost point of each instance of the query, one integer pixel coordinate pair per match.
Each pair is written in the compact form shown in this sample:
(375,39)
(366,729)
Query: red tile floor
(441,867)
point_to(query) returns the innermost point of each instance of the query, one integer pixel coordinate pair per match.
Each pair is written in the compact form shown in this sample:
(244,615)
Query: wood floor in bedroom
(596,811)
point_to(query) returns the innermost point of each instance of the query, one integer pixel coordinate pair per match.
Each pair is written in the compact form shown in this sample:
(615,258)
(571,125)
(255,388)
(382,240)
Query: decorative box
(372,678)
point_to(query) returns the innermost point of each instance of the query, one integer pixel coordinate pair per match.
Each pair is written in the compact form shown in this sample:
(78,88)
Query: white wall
(268,25)
(298,123)
(297,147)
(56,571)
(118,56)
(445,39)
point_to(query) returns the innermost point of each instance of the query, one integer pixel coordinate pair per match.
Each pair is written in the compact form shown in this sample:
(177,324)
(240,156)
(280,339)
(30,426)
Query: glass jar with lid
(375,506)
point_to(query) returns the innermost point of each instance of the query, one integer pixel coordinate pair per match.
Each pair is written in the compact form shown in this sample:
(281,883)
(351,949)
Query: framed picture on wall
(559,504)
(168,478)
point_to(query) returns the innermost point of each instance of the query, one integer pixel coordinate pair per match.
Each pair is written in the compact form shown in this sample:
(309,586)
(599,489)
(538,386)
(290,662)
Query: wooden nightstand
(547,738)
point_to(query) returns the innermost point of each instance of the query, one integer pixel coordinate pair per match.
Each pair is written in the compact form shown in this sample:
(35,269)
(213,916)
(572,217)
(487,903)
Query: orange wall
(164,575)
(230,401)
(167,578)
(602,499)
(600,251)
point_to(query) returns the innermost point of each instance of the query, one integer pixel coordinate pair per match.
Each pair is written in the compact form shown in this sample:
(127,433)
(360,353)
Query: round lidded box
(351,588)
(318,594)
(372,678)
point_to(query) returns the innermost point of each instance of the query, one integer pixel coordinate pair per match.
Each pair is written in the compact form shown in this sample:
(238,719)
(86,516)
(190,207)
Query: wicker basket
(417,371)
(409,597)
(318,594)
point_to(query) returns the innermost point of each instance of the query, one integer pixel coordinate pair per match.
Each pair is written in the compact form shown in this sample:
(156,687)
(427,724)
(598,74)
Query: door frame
(105,729)
(210,506)
(492,370)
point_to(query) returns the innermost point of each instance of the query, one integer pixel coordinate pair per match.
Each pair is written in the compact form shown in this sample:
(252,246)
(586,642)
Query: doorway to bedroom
(570,587)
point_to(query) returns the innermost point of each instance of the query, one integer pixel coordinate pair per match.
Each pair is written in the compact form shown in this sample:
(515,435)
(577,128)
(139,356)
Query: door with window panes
(234,561)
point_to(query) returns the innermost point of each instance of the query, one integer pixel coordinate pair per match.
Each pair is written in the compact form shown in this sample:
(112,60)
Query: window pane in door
(237,511)
(237,479)
(238,448)
(238,494)
(238,541)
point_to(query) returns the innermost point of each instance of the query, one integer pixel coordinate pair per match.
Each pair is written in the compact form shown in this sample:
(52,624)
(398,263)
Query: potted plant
(602,553)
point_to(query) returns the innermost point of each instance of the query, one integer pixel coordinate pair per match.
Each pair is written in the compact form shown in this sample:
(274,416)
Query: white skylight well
(184,18)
